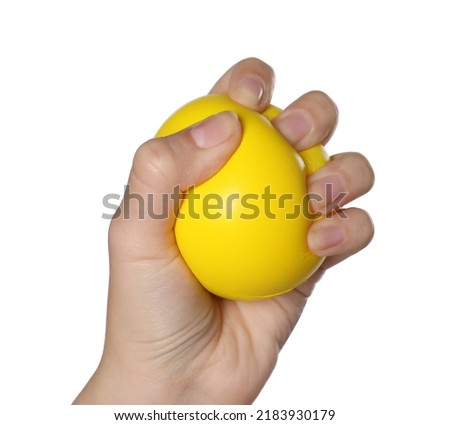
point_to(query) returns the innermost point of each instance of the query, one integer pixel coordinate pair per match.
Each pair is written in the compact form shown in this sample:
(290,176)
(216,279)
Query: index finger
(250,82)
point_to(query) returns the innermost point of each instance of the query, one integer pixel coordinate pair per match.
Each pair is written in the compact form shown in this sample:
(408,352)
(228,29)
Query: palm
(240,341)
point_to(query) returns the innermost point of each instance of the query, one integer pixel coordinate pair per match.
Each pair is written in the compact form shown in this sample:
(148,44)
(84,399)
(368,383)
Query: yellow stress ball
(243,232)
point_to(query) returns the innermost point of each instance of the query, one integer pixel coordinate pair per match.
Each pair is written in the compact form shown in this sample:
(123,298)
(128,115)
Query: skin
(169,341)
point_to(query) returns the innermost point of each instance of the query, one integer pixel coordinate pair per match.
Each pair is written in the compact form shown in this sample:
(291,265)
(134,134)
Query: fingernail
(326,192)
(214,130)
(295,125)
(249,91)
(322,238)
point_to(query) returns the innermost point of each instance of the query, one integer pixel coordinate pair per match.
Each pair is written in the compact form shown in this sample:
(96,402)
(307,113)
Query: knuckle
(324,112)
(257,63)
(370,228)
(365,170)
(152,161)
(356,169)
(324,103)
(365,228)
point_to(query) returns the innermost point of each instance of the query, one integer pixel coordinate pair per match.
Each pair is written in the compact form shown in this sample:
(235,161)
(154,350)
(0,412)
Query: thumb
(162,169)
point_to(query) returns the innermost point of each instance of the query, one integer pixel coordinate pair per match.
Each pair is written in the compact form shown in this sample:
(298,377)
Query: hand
(169,341)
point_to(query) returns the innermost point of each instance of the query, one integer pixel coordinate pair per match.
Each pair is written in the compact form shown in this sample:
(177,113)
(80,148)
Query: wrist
(114,384)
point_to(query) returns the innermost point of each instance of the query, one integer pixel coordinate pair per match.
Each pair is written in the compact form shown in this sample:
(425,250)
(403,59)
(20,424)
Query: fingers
(341,237)
(346,177)
(162,168)
(249,82)
(342,232)
(311,119)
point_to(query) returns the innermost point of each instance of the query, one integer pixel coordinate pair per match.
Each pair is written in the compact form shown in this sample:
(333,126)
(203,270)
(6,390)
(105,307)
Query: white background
(84,83)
